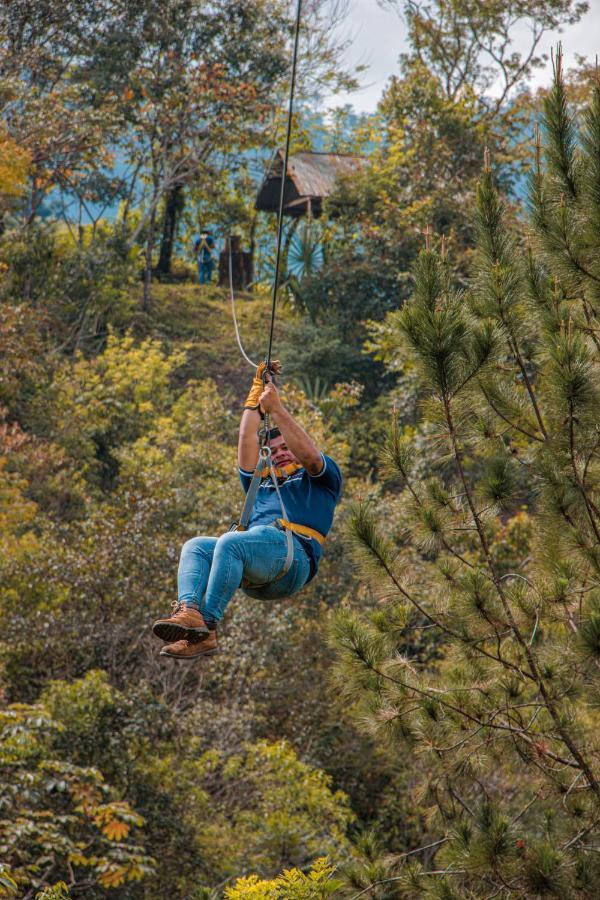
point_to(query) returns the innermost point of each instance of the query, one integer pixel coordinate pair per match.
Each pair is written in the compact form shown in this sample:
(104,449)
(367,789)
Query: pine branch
(396,458)
(375,550)
(377,557)
(591,509)
(434,695)
(508,421)
(500,277)
(576,753)
(561,133)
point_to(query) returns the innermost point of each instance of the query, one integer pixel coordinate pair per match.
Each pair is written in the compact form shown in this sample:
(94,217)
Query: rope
(282,191)
(232,298)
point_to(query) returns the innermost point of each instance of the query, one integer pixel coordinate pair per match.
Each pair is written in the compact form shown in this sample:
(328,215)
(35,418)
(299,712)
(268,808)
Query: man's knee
(200,545)
(230,542)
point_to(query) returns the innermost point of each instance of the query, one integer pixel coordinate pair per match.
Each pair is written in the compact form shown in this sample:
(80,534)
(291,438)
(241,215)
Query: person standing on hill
(204,248)
(257,559)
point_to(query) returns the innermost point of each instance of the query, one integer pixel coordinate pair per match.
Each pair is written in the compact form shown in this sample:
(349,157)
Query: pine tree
(498,552)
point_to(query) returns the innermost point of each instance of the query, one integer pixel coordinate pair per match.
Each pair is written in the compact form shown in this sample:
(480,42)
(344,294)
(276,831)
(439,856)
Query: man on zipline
(257,559)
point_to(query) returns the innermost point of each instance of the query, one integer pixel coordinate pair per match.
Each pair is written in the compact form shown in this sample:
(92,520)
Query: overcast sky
(379,39)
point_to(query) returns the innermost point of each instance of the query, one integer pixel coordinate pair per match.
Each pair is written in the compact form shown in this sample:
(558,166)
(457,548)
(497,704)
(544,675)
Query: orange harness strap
(286,470)
(304,530)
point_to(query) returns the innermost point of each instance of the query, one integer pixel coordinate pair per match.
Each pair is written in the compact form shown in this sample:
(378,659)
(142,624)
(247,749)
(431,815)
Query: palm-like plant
(305,250)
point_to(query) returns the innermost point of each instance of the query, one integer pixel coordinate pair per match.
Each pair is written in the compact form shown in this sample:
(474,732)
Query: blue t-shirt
(309,500)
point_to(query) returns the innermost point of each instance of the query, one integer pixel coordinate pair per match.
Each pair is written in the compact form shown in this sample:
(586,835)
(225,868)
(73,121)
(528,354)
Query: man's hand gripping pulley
(261,378)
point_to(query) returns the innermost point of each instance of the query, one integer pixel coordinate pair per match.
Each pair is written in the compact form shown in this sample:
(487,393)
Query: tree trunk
(174,203)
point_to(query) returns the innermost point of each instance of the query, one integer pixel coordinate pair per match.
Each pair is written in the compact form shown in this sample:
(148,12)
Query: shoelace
(176,606)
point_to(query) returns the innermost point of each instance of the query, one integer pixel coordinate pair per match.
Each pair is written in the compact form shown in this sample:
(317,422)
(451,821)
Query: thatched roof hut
(309,179)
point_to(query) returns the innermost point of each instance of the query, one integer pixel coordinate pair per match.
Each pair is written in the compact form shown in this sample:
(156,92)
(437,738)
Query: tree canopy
(421,720)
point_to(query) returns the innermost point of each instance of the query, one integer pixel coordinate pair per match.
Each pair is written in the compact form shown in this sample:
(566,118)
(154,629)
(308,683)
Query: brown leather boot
(185,622)
(189,650)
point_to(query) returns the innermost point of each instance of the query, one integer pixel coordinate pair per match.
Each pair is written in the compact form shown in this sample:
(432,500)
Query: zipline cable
(280,214)
(283,179)
(264,455)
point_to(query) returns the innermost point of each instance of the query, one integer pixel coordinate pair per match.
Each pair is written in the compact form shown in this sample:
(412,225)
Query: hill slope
(201,319)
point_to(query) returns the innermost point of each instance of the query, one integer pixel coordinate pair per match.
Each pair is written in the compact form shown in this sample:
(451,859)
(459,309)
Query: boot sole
(164,652)
(170,632)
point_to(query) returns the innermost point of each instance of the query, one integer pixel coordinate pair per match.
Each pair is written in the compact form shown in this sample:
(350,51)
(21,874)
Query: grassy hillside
(200,319)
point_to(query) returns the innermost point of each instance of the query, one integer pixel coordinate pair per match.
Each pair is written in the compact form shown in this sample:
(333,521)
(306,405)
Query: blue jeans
(205,271)
(211,569)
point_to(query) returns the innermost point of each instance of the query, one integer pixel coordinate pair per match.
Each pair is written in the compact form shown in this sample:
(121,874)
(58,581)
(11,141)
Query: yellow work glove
(258,385)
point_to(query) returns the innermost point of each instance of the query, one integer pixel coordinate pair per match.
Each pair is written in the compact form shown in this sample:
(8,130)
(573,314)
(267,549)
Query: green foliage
(545,873)
(83,286)
(101,404)
(103,726)
(471,45)
(58,891)
(8,886)
(14,169)
(63,819)
(124,547)
(450,347)
(455,755)
(262,809)
(120,391)
(416,177)
(589,632)
(337,302)
(507,712)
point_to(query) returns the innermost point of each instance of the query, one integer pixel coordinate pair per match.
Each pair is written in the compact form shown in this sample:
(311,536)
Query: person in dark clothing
(204,248)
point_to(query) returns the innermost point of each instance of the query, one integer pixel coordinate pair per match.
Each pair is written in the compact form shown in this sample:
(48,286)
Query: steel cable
(280,213)
(283,179)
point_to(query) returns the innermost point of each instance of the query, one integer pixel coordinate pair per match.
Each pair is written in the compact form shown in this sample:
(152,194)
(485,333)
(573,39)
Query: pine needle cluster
(500,554)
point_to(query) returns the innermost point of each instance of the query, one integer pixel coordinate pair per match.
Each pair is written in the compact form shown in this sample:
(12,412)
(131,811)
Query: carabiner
(265,453)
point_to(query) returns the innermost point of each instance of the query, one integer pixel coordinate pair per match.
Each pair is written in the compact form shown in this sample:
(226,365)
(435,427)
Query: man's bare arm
(294,435)
(248,440)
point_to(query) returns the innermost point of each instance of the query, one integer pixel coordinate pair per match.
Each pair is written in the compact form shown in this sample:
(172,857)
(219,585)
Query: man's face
(280,454)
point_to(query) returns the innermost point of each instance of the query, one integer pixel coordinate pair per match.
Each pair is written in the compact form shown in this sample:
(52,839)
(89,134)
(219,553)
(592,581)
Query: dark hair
(273,433)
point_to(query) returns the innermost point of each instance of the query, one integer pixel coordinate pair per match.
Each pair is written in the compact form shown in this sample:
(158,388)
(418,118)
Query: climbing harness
(303,530)
(284,471)
(265,466)
(265,458)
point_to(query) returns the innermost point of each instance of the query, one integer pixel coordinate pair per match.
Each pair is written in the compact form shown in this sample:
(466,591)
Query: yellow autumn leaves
(14,166)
